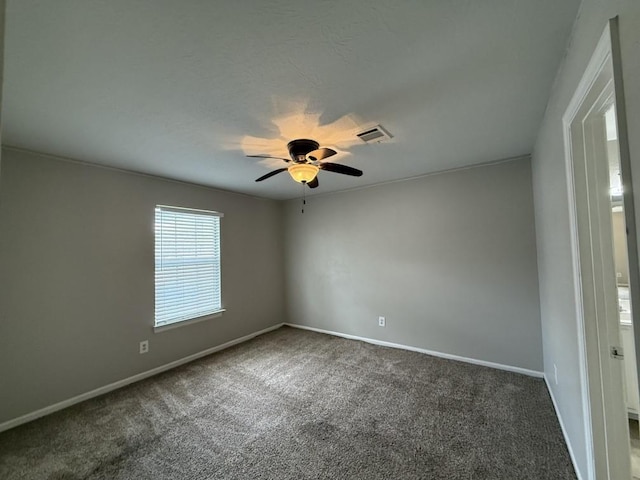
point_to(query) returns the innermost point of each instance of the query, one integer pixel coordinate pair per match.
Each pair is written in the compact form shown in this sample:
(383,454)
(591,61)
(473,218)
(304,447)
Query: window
(187,246)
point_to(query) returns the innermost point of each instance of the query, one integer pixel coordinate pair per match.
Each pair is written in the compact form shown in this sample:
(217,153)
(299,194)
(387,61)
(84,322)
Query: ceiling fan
(306,162)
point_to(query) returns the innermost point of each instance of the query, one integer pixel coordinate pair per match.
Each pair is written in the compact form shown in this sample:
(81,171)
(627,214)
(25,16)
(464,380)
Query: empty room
(319,239)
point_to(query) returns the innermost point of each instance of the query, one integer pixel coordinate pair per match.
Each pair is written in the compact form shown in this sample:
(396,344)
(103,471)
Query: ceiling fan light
(303,172)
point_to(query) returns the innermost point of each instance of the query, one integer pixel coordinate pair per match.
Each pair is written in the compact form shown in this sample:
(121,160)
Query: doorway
(621,264)
(604,258)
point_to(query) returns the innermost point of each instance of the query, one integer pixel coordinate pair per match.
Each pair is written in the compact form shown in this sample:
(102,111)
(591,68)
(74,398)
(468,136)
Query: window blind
(187,264)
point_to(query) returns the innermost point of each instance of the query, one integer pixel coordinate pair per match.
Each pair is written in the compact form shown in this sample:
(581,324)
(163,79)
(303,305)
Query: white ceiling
(184,89)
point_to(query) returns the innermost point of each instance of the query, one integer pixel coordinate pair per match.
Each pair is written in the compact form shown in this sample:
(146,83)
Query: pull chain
(304,197)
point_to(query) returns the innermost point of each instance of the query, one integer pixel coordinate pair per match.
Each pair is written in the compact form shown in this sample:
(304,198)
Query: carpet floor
(293,404)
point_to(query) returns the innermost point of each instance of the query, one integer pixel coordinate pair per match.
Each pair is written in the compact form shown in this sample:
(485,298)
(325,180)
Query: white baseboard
(121,383)
(564,430)
(499,366)
(149,373)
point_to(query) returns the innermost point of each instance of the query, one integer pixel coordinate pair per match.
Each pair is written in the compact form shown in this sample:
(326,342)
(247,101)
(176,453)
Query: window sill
(183,323)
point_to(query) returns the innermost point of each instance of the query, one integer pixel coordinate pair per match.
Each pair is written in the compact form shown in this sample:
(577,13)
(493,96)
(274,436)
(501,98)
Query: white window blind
(187,253)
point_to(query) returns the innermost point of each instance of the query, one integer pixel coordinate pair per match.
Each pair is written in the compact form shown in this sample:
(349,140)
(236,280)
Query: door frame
(605,425)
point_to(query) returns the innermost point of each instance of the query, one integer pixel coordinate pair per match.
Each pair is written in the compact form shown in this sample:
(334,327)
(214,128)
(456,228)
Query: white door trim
(596,64)
(598,376)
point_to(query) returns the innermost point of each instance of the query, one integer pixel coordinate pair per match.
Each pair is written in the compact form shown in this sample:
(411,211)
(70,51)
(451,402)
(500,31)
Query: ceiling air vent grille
(375,134)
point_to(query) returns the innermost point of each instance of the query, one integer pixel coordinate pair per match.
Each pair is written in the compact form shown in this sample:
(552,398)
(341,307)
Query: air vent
(374,134)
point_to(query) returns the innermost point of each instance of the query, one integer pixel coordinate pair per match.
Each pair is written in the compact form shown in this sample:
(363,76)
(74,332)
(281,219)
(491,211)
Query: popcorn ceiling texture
(294,404)
(173,88)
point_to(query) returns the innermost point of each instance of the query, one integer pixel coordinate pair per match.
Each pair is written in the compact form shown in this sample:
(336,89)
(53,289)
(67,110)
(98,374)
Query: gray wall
(2,16)
(449,259)
(77,276)
(559,325)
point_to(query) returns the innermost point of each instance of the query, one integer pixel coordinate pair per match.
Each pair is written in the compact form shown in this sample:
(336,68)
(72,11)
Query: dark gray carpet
(293,404)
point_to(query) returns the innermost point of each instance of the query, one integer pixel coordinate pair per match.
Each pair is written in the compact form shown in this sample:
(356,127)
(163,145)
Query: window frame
(168,325)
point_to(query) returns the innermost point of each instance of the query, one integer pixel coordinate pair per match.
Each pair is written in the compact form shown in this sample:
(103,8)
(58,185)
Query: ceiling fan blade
(321,154)
(313,183)
(270,174)
(269,156)
(338,168)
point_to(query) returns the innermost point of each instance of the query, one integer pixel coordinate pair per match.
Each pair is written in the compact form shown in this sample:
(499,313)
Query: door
(596,293)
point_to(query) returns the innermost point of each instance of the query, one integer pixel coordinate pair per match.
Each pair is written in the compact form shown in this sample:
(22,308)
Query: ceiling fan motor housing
(298,149)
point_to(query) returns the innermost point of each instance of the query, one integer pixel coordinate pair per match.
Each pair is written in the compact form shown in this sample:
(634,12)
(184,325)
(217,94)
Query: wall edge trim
(564,430)
(139,173)
(129,380)
(448,356)
(445,171)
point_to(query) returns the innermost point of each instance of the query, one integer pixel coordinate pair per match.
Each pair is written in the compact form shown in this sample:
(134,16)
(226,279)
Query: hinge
(616,352)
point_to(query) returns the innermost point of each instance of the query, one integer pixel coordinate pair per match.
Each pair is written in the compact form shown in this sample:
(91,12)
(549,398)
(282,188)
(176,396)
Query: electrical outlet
(144,346)
(381,321)
(555,373)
